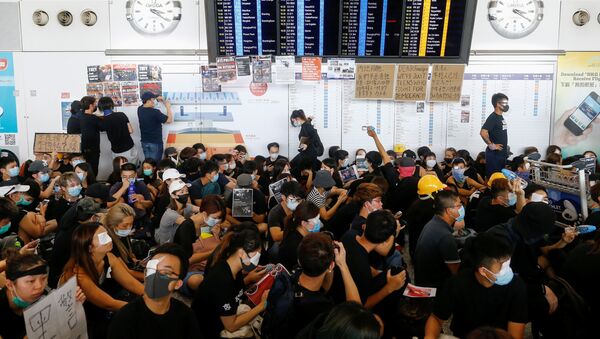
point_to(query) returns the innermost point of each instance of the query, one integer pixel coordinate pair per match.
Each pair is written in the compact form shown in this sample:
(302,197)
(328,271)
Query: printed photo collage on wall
(124,83)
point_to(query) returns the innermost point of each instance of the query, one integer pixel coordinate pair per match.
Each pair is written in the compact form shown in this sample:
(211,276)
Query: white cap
(176,185)
(172,173)
(4,190)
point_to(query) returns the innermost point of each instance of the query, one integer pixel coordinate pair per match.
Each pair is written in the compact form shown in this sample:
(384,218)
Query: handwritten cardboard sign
(446,82)
(411,82)
(374,81)
(57,142)
(58,315)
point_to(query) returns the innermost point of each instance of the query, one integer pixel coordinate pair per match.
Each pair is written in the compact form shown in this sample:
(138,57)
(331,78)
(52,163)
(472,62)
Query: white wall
(53,58)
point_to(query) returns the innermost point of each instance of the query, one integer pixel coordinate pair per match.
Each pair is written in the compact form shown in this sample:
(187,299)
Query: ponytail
(244,235)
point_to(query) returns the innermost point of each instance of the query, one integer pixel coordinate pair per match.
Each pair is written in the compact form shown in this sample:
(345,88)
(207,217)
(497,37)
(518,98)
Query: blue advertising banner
(8,104)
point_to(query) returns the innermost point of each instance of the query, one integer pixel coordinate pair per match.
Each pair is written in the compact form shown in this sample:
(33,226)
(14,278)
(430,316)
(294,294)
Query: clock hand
(521,13)
(157,13)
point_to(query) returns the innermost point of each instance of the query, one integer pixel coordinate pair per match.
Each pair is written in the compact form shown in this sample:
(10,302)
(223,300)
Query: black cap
(535,220)
(99,191)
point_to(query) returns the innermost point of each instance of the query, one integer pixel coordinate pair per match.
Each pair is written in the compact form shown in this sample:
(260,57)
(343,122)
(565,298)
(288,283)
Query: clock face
(514,19)
(153,17)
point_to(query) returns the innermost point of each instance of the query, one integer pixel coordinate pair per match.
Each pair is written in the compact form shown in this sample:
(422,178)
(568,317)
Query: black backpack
(319,146)
(280,306)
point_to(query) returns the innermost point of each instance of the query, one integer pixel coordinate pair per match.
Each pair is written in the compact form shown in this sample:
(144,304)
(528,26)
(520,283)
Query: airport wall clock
(153,17)
(515,19)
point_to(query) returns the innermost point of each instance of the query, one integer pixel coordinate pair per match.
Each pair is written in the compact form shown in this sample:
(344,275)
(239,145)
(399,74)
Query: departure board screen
(371,27)
(397,29)
(308,27)
(246,27)
(433,28)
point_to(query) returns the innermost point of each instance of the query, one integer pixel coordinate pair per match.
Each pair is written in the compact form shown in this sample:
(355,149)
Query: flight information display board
(432,30)
(371,27)
(246,27)
(308,27)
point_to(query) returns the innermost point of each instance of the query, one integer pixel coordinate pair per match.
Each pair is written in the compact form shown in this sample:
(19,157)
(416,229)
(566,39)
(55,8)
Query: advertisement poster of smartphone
(583,116)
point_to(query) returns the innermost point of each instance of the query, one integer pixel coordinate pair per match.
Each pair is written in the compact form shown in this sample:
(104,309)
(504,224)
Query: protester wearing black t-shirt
(489,294)
(317,257)
(436,256)
(156,314)
(218,297)
(304,220)
(494,133)
(73,124)
(506,200)
(259,201)
(376,291)
(291,195)
(151,120)
(403,183)
(118,130)
(91,126)
(70,186)
(526,232)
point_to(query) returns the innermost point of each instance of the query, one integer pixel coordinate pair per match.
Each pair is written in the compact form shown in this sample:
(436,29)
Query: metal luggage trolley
(562,179)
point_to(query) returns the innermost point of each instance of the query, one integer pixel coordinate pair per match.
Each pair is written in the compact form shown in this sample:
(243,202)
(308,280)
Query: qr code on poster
(10,139)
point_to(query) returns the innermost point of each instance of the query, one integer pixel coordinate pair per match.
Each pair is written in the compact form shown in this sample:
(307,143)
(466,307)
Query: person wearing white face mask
(466,185)
(118,221)
(310,146)
(96,268)
(369,197)
(274,155)
(341,158)
(291,196)
(198,236)
(500,296)
(217,299)
(431,166)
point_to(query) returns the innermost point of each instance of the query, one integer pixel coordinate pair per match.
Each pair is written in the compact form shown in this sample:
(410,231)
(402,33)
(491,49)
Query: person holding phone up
(494,133)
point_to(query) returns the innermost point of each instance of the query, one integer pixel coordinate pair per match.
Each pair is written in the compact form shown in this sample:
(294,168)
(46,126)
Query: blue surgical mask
(512,199)
(74,191)
(203,156)
(4,228)
(317,227)
(458,174)
(123,233)
(23,202)
(13,172)
(81,176)
(44,177)
(215,178)
(504,277)
(148,172)
(292,204)
(210,221)
(461,214)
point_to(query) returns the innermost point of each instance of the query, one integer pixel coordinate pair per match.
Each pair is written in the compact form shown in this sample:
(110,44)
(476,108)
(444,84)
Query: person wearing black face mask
(494,133)
(156,314)
(218,297)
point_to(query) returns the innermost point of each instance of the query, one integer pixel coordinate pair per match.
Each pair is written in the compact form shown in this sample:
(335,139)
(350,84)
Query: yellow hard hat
(429,184)
(494,176)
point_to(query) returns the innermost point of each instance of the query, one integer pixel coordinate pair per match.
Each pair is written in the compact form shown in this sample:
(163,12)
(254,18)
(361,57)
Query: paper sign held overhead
(57,142)
(446,82)
(374,81)
(411,82)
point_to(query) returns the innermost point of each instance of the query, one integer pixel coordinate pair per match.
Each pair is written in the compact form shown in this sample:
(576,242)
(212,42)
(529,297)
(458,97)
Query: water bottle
(56,192)
(131,191)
